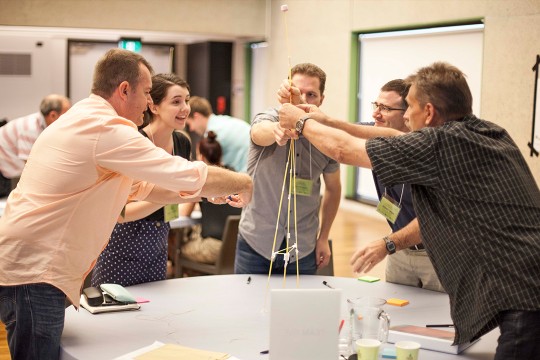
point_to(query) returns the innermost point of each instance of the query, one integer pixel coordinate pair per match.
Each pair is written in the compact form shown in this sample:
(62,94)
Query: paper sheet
(160,351)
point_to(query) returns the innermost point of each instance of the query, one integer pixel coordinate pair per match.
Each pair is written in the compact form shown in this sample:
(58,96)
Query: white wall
(322,32)
(21,95)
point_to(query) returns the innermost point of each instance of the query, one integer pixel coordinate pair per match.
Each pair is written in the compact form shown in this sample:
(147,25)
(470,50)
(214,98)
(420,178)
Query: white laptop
(304,324)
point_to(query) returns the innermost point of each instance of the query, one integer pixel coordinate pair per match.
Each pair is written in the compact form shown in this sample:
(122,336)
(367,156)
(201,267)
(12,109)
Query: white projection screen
(392,55)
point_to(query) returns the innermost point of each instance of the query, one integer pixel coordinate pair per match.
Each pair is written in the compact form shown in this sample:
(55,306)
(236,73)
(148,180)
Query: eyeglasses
(383,108)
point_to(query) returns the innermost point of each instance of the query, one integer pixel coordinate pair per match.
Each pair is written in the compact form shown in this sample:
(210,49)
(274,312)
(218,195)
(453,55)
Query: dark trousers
(34,318)
(520,335)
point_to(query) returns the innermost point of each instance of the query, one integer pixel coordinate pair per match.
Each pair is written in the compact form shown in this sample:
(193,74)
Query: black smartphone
(94,296)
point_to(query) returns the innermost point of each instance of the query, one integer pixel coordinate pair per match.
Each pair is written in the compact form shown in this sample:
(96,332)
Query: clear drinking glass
(367,320)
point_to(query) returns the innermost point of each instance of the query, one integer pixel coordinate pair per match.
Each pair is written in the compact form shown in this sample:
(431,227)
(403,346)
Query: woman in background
(209,150)
(197,248)
(137,250)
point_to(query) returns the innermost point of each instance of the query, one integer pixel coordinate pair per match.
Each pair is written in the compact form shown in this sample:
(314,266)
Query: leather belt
(417,247)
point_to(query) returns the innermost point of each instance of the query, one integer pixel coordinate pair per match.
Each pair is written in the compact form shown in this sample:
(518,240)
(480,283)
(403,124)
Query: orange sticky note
(397,302)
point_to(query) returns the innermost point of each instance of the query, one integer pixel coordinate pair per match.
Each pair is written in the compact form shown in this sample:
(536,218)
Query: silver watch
(300,124)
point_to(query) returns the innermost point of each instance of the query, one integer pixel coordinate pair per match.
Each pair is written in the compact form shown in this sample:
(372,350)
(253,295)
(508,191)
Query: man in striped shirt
(476,200)
(18,136)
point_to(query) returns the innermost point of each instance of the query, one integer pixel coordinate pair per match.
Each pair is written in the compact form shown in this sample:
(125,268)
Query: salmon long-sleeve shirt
(80,173)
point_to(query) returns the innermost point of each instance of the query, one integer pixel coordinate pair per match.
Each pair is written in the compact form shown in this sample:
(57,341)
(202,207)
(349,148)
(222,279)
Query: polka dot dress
(136,253)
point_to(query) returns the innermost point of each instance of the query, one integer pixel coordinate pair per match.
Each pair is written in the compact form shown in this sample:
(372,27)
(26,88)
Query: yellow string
(276,231)
(295,219)
(292,190)
(288,54)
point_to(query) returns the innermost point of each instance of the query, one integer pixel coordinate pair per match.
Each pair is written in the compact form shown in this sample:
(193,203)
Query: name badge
(303,187)
(389,208)
(171,212)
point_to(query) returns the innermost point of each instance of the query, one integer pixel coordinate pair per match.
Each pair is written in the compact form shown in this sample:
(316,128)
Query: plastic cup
(407,350)
(367,349)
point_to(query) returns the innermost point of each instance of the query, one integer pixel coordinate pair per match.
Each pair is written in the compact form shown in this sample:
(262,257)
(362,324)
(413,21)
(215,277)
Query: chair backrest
(213,218)
(329,269)
(225,260)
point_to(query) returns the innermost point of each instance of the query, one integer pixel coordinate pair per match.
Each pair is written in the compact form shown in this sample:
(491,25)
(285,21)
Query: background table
(186,221)
(226,314)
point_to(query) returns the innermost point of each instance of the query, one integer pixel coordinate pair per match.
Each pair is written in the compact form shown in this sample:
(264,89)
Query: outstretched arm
(290,94)
(219,183)
(334,143)
(367,257)
(359,130)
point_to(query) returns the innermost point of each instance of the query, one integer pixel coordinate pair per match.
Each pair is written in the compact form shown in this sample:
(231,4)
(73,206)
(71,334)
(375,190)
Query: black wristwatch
(300,124)
(390,245)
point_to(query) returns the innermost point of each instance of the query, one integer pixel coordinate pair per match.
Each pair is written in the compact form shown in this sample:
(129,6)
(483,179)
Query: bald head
(52,106)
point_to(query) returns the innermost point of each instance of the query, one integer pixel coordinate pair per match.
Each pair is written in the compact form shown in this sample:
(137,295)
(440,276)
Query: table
(224,313)
(186,221)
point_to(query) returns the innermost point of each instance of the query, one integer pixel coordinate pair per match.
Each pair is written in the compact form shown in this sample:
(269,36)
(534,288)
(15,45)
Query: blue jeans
(520,335)
(248,261)
(34,318)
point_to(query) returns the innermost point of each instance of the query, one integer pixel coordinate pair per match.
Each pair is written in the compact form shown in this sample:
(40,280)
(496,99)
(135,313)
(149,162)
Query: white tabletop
(186,221)
(225,314)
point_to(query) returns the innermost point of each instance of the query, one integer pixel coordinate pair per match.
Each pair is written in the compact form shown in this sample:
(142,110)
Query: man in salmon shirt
(81,172)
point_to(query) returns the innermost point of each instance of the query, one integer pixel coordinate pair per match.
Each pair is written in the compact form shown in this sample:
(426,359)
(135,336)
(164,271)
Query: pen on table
(249,280)
(341,326)
(326,284)
(440,325)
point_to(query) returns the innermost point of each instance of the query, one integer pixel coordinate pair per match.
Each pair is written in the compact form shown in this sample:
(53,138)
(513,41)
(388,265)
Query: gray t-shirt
(266,165)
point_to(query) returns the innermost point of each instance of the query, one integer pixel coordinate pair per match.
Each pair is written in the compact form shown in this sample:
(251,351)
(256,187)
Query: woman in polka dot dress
(137,250)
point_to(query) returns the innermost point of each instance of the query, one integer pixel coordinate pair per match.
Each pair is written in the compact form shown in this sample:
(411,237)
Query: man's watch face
(299,126)
(390,245)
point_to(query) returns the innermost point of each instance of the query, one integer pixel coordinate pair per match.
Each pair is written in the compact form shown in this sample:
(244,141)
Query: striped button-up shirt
(478,207)
(16,140)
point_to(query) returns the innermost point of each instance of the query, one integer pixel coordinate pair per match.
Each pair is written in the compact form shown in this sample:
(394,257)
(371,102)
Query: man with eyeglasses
(476,200)
(411,266)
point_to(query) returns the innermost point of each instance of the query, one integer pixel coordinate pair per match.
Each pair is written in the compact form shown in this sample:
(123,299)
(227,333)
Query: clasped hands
(293,107)
(237,200)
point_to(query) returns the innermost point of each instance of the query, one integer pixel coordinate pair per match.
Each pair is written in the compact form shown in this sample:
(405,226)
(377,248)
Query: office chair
(213,218)
(329,269)
(220,222)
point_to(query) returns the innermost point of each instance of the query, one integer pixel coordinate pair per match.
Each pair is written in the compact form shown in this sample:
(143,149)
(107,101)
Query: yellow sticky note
(397,302)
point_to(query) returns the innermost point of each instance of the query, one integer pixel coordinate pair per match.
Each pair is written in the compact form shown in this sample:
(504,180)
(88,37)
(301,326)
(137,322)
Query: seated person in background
(18,136)
(233,133)
(137,250)
(199,248)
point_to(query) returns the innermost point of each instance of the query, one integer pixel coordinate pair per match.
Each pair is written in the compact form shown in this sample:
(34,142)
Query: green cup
(367,349)
(407,350)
